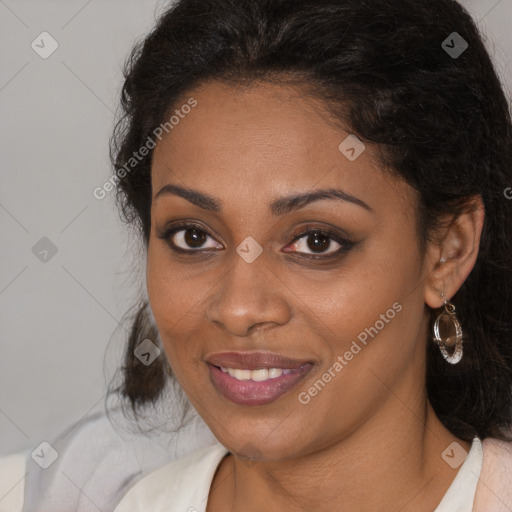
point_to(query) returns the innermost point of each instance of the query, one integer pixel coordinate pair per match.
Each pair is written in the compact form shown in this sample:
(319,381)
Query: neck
(398,467)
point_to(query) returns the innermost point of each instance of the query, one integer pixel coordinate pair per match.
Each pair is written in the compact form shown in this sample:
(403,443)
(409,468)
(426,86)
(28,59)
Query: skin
(370,439)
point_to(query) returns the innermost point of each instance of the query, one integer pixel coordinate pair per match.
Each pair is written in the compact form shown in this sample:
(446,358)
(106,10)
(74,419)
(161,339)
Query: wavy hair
(441,122)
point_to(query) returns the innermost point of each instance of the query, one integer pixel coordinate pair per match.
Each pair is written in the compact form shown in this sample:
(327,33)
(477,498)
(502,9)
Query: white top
(461,493)
(183,485)
(12,476)
(99,459)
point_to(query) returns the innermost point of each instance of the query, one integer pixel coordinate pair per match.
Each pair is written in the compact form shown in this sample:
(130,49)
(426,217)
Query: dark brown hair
(442,123)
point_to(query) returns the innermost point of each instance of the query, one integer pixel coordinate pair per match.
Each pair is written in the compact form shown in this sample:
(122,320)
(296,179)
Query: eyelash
(345,244)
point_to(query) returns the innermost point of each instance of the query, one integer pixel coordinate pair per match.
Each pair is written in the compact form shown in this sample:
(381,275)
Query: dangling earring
(452,342)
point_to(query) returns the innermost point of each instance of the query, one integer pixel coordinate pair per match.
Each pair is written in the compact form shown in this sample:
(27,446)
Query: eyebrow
(278,207)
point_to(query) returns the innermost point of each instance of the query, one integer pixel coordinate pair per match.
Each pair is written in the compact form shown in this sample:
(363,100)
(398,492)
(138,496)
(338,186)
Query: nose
(250,297)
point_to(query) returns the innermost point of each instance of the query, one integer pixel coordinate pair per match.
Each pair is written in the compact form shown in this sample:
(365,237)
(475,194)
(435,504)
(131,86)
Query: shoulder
(182,484)
(494,489)
(91,459)
(12,474)
(497,448)
(99,458)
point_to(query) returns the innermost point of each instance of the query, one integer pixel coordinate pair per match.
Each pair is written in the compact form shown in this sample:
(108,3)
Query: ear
(458,245)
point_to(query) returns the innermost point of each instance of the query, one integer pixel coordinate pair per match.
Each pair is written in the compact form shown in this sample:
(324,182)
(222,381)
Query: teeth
(259,375)
(240,374)
(256,375)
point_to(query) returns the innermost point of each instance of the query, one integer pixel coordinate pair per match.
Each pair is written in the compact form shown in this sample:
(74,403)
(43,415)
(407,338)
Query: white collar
(163,489)
(183,484)
(461,493)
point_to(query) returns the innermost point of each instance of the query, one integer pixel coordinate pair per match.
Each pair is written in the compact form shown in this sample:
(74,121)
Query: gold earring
(448,319)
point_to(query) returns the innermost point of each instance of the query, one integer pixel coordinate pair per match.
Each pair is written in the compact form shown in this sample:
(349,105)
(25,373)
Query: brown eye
(189,238)
(194,238)
(318,242)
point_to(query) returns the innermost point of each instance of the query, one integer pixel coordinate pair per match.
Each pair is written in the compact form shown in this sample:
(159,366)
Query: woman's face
(349,303)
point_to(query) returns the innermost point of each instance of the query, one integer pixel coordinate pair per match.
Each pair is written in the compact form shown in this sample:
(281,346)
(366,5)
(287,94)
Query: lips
(253,393)
(255,360)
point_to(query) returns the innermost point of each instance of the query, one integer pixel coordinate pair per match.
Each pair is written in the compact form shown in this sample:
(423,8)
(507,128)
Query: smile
(258,386)
(259,375)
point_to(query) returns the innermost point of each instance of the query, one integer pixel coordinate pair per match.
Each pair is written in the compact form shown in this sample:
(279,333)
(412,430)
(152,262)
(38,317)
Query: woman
(320,188)
(328,253)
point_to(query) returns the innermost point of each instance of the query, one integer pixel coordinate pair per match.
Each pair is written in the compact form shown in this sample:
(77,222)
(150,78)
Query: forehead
(267,138)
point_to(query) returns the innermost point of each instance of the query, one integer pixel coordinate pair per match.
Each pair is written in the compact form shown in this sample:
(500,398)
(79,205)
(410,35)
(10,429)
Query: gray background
(57,317)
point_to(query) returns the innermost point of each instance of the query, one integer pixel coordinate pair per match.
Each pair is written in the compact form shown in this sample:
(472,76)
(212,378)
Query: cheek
(367,284)
(371,310)
(175,304)
(366,324)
